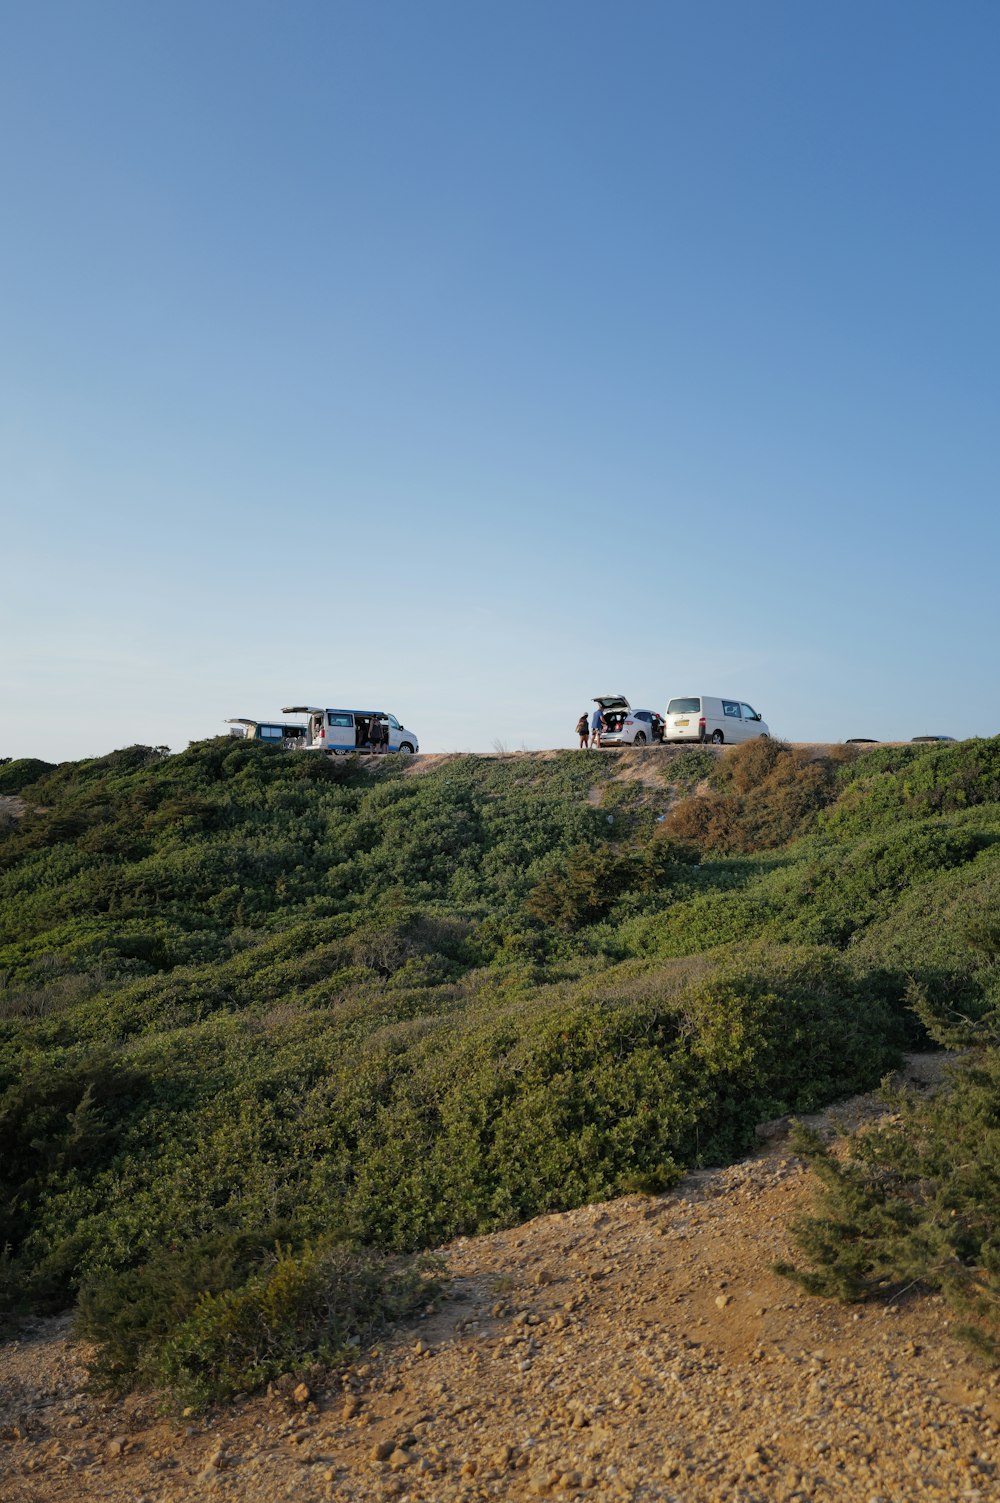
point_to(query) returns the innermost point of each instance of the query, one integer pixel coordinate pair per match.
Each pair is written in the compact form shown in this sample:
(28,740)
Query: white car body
(705,717)
(339,731)
(636,725)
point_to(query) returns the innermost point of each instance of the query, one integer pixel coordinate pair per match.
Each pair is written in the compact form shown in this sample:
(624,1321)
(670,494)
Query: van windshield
(684,707)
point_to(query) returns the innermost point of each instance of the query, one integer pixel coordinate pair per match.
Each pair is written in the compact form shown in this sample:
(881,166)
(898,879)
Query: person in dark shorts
(582,730)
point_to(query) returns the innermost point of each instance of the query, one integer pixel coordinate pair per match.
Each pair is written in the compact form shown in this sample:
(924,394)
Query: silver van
(339,731)
(703,717)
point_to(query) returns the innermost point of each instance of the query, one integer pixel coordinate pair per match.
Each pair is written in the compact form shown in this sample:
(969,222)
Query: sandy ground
(636,1350)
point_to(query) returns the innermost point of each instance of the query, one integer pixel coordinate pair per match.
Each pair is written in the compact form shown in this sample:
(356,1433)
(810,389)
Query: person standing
(581,730)
(596,726)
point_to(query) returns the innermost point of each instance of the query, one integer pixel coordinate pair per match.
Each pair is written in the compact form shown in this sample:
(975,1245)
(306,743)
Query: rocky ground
(636,1350)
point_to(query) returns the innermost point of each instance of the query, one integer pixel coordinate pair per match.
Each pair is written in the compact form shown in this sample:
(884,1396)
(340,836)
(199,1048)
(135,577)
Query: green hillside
(254,1000)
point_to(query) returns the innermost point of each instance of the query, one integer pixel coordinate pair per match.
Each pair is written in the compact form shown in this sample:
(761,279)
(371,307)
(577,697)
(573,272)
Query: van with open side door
(340,731)
(703,717)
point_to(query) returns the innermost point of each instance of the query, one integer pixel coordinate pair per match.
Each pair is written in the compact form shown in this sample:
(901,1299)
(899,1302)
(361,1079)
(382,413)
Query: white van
(702,717)
(337,731)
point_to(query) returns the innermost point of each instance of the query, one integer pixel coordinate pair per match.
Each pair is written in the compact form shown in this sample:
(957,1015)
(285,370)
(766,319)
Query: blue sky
(478,359)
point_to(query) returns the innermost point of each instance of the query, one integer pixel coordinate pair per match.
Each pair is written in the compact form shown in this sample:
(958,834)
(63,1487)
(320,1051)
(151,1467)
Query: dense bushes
(257,1008)
(763,796)
(21,773)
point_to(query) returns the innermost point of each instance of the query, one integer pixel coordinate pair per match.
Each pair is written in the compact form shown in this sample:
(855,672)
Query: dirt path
(637,1350)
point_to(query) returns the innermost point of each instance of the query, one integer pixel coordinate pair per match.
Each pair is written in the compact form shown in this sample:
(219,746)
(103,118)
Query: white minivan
(702,717)
(337,731)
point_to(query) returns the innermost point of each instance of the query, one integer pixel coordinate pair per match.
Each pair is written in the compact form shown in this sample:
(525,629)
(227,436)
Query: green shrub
(914,1204)
(226,1314)
(582,890)
(914,1201)
(21,773)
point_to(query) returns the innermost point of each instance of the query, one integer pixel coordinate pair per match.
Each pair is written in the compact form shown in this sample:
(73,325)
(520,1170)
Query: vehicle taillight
(322,734)
(630,722)
(702,722)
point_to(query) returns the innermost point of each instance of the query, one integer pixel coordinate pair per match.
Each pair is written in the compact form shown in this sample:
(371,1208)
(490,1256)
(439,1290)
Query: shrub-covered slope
(271,998)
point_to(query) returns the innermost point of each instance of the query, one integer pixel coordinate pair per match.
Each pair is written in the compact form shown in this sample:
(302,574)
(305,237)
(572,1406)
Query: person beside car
(596,726)
(582,731)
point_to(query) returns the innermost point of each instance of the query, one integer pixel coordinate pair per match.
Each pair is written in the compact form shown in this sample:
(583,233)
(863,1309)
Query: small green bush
(914,1202)
(226,1314)
(914,1205)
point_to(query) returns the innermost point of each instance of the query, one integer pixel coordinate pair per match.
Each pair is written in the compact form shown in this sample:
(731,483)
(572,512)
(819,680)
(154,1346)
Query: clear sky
(476,359)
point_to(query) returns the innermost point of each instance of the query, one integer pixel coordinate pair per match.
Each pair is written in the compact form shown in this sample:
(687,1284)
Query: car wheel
(765,736)
(405,746)
(717,738)
(639,738)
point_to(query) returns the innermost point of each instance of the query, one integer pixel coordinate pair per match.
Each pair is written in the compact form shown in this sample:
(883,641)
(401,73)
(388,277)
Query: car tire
(406,748)
(765,736)
(639,739)
(717,738)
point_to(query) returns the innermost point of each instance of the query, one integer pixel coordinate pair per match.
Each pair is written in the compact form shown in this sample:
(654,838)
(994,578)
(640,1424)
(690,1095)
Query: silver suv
(625,726)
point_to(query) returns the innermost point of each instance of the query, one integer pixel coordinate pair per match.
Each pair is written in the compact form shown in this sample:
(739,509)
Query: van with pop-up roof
(271,732)
(703,717)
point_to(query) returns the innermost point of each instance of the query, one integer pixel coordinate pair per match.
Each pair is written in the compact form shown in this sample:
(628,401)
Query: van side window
(344,721)
(729,708)
(270,732)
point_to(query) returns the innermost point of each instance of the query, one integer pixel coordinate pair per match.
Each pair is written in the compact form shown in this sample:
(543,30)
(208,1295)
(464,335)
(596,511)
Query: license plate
(681,722)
